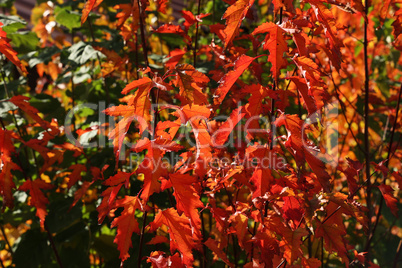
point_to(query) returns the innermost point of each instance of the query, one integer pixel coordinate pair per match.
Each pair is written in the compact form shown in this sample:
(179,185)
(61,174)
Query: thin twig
(6,240)
(53,245)
(196,37)
(371,235)
(366,133)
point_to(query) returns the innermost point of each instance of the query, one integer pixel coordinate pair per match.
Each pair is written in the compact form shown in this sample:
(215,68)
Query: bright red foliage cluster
(260,187)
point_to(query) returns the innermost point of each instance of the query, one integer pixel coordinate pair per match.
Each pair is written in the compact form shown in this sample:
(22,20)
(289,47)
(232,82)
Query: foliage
(238,133)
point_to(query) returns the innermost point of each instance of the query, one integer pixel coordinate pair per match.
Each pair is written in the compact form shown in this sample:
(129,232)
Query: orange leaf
(8,51)
(187,198)
(291,241)
(390,200)
(138,108)
(23,104)
(276,44)
(262,177)
(6,165)
(212,245)
(181,236)
(89,5)
(300,149)
(126,224)
(333,237)
(234,16)
(221,135)
(152,166)
(38,199)
(231,77)
(190,82)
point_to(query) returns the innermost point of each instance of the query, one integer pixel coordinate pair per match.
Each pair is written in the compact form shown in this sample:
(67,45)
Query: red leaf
(8,51)
(160,260)
(231,77)
(181,236)
(300,150)
(291,241)
(234,16)
(174,57)
(23,104)
(390,200)
(152,166)
(6,166)
(190,82)
(187,198)
(81,192)
(333,234)
(119,178)
(89,5)
(221,135)
(76,174)
(262,177)
(38,199)
(276,44)
(162,5)
(138,108)
(126,224)
(212,245)
(303,89)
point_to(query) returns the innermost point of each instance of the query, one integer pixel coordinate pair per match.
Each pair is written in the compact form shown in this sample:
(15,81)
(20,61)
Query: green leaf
(24,42)
(12,24)
(67,18)
(81,53)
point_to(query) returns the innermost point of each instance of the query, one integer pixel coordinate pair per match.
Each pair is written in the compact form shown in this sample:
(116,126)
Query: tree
(236,133)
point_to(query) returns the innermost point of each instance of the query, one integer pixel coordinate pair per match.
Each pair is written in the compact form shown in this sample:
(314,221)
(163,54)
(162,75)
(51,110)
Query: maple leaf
(152,166)
(333,238)
(231,77)
(190,82)
(390,200)
(162,5)
(126,224)
(8,51)
(311,263)
(303,89)
(76,174)
(234,16)
(160,260)
(173,29)
(6,166)
(212,245)
(180,233)
(240,222)
(221,135)
(81,192)
(187,198)
(138,108)
(174,57)
(300,149)
(38,199)
(23,104)
(325,17)
(276,44)
(262,177)
(120,178)
(291,242)
(89,5)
